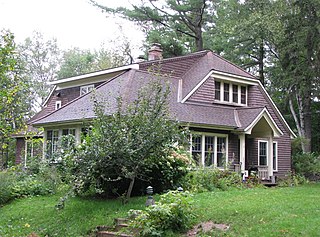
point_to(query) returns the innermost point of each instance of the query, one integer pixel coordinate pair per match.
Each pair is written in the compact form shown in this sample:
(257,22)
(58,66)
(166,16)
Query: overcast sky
(74,23)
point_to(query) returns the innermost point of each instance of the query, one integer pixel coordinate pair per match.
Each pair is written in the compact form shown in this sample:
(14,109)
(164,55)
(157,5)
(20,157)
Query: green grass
(291,211)
(38,215)
(264,212)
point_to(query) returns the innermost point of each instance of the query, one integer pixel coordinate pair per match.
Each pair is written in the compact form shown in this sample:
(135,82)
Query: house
(232,118)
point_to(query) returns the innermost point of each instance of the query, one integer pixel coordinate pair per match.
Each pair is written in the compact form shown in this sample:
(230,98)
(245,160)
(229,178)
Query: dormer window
(86,89)
(231,93)
(58,104)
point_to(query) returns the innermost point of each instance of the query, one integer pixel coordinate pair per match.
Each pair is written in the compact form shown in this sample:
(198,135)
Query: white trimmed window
(52,142)
(228,92)
(263,153)
(275,156)
(86,89)
(58,104)
(209,149)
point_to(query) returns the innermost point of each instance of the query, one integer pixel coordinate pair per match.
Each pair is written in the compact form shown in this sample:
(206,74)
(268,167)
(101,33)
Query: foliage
(184,21)
(78,61)
(17,182)
(39,60)
(208,179)
(173,212)
(13,94)
(307,165)
(133,143)
(6,181)
(292,179)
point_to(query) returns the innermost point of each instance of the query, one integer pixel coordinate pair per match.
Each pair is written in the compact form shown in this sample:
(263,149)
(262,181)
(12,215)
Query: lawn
(293,211)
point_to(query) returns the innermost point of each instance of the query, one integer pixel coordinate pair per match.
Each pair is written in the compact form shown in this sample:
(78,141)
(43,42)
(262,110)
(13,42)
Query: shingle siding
(205,93)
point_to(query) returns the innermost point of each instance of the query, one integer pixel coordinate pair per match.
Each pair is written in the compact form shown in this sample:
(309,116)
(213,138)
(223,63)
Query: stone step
(112,234)
(121,227)
(119,221)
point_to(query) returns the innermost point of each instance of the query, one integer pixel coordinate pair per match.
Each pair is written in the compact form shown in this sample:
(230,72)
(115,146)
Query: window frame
(86,89)
(215,151)
(275,156)
(267,151)
(221,97)
(53,146)
(58,104)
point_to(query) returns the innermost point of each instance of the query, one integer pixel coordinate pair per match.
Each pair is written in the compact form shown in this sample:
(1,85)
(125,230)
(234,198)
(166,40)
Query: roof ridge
(240,68)
(181,57)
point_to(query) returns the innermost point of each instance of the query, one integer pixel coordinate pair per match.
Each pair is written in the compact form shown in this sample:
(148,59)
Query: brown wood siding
(64,95)
(19,149)
(257,98)
(233,148)
(205,93)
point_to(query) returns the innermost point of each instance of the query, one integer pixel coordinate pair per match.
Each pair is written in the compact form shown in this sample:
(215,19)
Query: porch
(257,148)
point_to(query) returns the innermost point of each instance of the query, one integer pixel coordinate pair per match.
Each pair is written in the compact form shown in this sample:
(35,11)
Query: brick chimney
(155,52)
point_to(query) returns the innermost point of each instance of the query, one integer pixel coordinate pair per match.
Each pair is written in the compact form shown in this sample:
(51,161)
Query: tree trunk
(199,39)
(260,63)
(132,180)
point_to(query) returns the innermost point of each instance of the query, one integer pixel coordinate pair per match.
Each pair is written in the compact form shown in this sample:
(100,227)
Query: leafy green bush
(308,165)
(172,213)
(292,180)
(17,182)
(7,180)
(208,179)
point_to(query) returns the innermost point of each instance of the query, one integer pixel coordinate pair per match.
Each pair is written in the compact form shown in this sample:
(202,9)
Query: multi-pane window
(68,138)
(221,151)
(209,149)
(263,153)
(52,142)
(235,97)
(230,93)
(86,89)
(275,156)
(196,148)
(217,90)
(226,92)
(243,94)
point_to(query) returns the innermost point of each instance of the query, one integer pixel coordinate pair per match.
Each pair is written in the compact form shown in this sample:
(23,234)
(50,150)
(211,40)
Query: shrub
(172,213)
(17,182)
(308,165)
(207,179)
(292,180)
(7,180)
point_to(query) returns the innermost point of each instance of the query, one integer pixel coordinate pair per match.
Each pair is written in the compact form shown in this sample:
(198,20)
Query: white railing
(263,172)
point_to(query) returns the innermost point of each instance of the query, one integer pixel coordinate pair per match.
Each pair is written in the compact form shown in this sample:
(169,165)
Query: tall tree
(242,35)
(13,93)
(40,60)
(185,20)
(78,61)
(299,60)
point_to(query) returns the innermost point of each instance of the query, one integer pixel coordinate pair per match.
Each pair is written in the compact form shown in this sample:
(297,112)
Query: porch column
(242,138)
(270,156)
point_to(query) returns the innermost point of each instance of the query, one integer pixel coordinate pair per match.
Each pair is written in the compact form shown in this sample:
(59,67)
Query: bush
(7,180)
(207,179)
(292,180)
(17,182)
(172,213)
(308,165)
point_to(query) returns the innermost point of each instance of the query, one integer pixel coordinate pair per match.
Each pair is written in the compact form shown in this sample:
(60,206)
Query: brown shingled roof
(191,69)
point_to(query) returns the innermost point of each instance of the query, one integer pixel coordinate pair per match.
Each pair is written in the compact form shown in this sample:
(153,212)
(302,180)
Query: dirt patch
(206,227)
